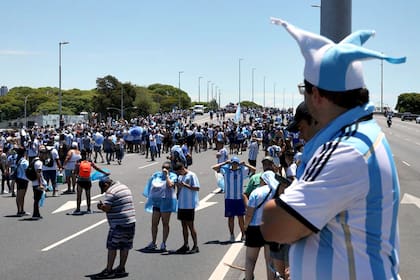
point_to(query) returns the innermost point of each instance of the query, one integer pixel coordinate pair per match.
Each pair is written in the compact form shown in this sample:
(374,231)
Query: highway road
(63,246)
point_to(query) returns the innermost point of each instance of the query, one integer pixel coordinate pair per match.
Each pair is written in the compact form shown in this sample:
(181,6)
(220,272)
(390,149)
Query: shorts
(280,251)
(50,175)
(21,184)
(163,204)
(85,184)
(97,148)
(68,172)
(234,207)
(254,237)
(186,214)
(121,237)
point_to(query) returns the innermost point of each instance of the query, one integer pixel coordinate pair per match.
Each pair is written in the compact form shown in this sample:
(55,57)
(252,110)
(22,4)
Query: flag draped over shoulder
(238,113)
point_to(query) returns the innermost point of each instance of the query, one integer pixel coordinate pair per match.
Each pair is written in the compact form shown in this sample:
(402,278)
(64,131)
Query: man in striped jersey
(119,208)
(340,215)
(234,172)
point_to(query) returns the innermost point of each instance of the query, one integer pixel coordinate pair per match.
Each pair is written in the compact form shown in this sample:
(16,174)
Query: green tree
(408,102)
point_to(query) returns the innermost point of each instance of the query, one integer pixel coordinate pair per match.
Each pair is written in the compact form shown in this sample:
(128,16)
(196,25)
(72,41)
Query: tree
(408,102)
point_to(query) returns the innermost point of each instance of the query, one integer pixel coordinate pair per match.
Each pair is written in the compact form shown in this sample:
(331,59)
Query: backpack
(85,169)
(48,160)
(62,150)
(30,172)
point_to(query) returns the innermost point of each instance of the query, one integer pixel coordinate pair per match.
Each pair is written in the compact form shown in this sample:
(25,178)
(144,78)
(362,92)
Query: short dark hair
(347,99)
(178,166)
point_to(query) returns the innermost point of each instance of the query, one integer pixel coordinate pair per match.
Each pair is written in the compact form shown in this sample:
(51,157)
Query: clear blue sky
(145,42)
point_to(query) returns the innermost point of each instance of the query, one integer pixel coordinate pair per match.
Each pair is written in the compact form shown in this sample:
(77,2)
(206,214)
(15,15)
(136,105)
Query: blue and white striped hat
(334,66)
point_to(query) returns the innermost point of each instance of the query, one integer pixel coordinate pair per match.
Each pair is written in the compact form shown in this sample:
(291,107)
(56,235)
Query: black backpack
(47,158)
(30,172)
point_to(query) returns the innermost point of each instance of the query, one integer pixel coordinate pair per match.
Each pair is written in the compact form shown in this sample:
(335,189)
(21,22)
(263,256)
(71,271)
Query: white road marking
(410,199)
(73,236)
(406,163)
(71,204)
(203,204)
(148,165)
(230,256)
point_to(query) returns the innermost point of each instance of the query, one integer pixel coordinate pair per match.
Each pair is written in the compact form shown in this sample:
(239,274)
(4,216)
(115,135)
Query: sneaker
(21,214)
(88,212)
(163,247)
(232,238)
(194,250)
(183,250)
(36,218)
(120,272)
(77,212)
(104,274)
(151,246)
(13,194)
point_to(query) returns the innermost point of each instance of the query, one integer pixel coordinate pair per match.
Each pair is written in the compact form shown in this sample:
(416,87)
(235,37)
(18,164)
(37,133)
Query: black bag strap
(265,199)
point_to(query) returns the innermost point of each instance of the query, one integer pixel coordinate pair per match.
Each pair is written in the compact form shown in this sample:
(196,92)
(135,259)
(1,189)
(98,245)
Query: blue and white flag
(238,113)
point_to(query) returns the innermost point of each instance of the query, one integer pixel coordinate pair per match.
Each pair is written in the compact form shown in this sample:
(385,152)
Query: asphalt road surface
(63,246)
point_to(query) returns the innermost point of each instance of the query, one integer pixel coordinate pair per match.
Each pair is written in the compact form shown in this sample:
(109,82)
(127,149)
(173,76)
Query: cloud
(16,53)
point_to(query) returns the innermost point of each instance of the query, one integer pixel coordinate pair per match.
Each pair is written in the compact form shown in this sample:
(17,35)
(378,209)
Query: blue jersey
(347,193)
(188,199)
(234,181)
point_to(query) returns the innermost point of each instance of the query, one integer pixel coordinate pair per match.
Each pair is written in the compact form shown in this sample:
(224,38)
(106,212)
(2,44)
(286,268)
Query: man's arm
(280,226)
(216,167)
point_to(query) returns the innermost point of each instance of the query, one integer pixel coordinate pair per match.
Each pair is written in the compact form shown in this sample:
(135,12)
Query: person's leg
(88,199)
(166,216)
(20,197)
(268,261)
(250,261)
(190,225)
(73,180)
(185,232)
(37,198)
(68,180)
(111,259)
(123,259)
(78,197)
(241,222)
(231,225)
(155,223)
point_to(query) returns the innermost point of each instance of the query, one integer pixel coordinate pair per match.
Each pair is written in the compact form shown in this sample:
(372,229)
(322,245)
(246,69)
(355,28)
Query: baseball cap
(268,158)
(302,113)
(235,160)
(103,181)
(334,66)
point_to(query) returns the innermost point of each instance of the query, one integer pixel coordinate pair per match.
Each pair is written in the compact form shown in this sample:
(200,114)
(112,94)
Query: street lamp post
(208,82)
(382,86)
(179,87)
(274,95)
(199,88)
(240,59)
(335,18)
(212,94)
(26,120)
(252,97)
(122,103)
(60,44)
(219,100)
(264,92)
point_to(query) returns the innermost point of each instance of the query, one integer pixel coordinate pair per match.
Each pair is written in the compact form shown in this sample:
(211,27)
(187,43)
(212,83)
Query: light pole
(122,102)
(199,88)
(239,102)
(212,85)
(215,93)
(219,100)
(179,87)
(335,18)
(264,92)
(26,120)
(252,98)
(382,86)
(274,95)
(60,44)
(284,95)
(208,82)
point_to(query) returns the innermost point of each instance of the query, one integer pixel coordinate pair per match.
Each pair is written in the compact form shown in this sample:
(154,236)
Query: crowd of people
(329,211)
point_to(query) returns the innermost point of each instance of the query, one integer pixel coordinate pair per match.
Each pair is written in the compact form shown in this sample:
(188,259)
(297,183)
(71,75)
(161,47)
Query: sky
(146,42)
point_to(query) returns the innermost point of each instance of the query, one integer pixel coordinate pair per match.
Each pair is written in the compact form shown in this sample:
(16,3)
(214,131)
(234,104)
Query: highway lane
(22,242)
(404,139)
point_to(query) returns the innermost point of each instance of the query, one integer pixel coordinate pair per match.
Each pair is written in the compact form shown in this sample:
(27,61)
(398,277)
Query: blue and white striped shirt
(347,193)
(253,150)
(234,181)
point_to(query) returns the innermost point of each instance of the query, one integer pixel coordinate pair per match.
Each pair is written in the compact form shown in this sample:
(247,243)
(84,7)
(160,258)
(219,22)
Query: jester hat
(334,66)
